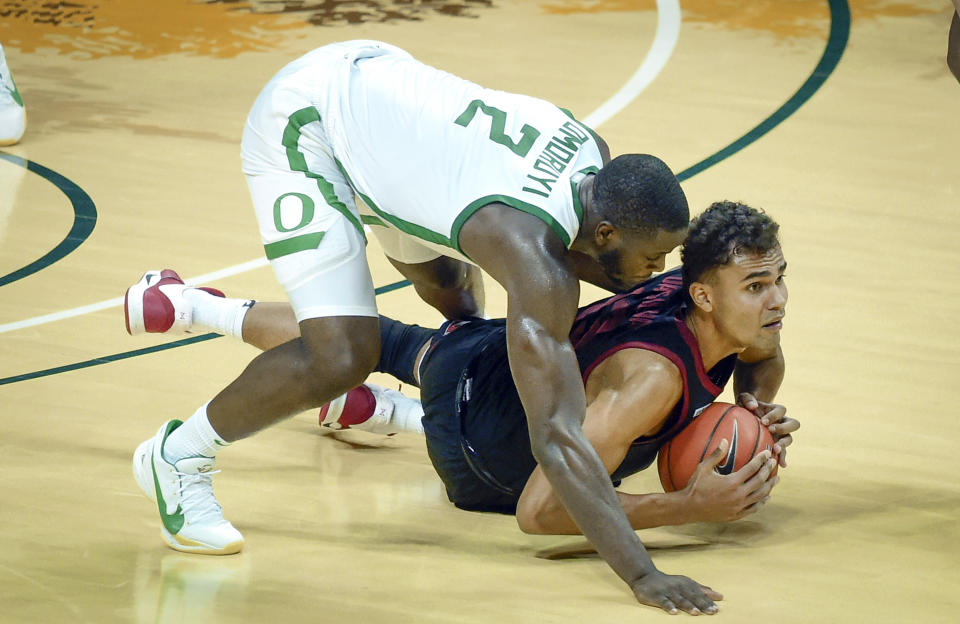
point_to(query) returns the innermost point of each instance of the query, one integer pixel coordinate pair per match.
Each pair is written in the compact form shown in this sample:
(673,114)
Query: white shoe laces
(197,499)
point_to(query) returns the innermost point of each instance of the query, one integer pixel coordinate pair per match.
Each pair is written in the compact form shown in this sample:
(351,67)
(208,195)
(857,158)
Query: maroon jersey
(650,316)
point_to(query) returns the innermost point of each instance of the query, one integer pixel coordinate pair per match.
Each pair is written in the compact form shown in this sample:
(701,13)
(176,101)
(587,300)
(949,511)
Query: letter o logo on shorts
(306,211)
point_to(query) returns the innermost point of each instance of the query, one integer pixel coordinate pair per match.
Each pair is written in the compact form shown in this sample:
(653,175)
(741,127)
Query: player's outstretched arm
(529,261)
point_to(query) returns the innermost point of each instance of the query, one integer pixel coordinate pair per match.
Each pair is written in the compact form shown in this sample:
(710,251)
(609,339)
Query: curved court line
(664,41)
(84,218)
(836,44)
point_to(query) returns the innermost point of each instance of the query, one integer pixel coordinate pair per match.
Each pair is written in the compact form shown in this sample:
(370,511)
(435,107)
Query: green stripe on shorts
(297,161)
(293,245)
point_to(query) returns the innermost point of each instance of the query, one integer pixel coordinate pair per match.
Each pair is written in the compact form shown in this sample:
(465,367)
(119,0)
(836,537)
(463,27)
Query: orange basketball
(678,458)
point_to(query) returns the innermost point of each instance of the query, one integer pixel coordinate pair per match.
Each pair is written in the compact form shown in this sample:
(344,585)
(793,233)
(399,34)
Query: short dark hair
(725,229)
(639,193)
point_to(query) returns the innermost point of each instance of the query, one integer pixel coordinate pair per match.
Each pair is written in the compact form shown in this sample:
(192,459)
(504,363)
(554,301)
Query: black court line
(84,218)
(836,44)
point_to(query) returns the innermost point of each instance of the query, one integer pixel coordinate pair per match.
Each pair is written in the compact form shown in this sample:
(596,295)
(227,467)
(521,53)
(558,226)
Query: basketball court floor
(838,117)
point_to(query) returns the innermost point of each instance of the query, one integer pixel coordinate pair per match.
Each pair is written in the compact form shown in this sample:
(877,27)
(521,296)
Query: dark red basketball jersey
(650,316)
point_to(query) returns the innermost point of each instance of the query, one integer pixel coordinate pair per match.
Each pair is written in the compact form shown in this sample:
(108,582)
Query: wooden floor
(134,125)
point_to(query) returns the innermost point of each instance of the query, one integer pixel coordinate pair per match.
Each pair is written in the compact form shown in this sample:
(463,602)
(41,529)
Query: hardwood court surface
(839,119)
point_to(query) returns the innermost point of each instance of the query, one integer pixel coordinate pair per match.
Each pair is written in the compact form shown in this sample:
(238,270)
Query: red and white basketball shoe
(373,408)
(156,304)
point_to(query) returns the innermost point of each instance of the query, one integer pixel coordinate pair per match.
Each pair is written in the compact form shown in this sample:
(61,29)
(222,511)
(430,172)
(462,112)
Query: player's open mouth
(777,325)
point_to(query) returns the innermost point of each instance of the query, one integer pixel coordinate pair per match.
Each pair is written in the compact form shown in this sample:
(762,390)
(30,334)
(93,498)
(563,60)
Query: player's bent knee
(340,352)
(336,371)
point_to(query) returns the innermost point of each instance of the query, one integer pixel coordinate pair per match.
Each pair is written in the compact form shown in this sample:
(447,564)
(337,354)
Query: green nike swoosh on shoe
(173,522)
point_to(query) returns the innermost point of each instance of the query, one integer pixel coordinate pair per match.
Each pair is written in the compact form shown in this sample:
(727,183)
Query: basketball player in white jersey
(455,174)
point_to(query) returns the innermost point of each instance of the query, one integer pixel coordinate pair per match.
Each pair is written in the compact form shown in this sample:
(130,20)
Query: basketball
(678,458)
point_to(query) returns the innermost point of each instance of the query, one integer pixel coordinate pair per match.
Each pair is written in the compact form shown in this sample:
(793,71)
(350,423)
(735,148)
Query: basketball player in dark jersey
(650,359)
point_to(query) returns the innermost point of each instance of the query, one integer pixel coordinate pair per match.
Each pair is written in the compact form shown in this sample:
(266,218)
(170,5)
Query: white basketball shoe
(191,518)
(375,409)
(13,116)
(156,304)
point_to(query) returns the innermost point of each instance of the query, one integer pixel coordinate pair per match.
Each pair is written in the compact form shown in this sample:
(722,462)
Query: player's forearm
(550,388)
(582,485)
(762,378)
(644,511)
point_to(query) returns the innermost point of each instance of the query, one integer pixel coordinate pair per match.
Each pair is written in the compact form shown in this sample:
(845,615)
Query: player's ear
(702,296)
(605,234)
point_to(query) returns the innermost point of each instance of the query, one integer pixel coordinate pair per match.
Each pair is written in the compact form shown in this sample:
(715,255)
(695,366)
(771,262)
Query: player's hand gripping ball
(678,458)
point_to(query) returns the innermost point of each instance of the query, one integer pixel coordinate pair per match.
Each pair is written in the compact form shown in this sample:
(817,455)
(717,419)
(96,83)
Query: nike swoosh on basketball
(727,466)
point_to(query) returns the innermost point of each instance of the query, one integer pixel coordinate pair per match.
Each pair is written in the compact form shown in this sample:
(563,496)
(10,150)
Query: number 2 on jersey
(498,122)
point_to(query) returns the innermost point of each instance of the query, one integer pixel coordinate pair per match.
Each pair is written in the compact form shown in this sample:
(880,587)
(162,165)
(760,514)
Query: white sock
(222,315)
(194,438)
(408,413)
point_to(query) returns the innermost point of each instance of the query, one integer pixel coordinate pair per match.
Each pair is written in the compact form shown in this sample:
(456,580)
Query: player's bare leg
(174,467)
(269,324)
(453,287)
(331,356)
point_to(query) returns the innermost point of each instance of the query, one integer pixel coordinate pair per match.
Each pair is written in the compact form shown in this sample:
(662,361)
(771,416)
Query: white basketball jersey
(425,149)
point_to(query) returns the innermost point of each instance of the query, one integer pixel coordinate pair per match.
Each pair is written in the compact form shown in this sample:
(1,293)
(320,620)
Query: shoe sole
(182,544)
(14,140)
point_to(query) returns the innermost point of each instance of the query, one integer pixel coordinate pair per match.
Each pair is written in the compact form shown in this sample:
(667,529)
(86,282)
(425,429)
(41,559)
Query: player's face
(750,298)
(638,257)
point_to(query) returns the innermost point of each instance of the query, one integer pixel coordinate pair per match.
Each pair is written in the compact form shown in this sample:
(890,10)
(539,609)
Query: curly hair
(724,230)
(639,193)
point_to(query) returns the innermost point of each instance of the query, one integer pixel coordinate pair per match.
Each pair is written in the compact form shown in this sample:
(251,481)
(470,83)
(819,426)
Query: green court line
(107,359)
(836,44)
(84,218)
(147,350)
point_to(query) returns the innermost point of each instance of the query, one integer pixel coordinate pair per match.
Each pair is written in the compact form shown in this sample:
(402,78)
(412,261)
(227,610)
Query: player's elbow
(528,521)
(532,525)
(534,517)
